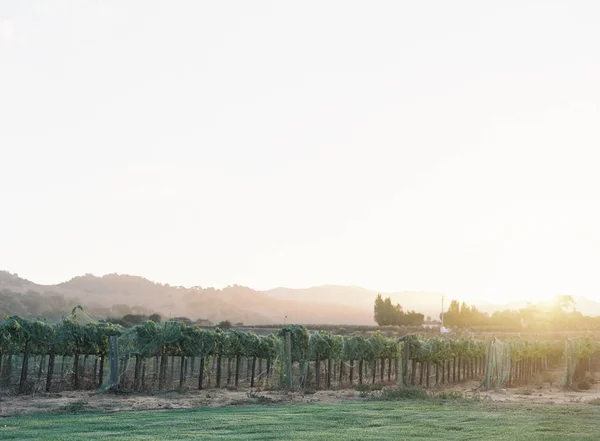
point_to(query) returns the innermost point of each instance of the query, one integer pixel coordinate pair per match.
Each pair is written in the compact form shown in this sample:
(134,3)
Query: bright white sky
(423,145)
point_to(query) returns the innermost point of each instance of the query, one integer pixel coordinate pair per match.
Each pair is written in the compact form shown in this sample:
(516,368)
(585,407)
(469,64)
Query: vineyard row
(39,356)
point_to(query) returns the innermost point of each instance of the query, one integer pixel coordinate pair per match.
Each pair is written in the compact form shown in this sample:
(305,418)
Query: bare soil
(534,392)
(544,389)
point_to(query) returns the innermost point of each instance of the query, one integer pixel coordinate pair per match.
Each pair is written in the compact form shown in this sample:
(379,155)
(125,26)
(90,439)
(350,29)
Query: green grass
(404,420)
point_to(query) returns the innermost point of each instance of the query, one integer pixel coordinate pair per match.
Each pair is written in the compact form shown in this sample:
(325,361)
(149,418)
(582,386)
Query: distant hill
(115,295)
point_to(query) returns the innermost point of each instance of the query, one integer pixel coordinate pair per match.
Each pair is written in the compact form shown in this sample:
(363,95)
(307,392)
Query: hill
(114,295)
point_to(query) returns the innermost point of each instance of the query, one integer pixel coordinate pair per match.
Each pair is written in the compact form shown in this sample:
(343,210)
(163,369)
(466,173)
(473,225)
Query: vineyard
(36,356)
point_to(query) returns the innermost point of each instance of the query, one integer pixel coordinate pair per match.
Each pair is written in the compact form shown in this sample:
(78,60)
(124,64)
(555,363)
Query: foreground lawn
(342,421)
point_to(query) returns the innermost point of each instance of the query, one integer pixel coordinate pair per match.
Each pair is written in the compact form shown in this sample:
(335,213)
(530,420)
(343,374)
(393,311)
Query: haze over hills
(426,302)
(115,295)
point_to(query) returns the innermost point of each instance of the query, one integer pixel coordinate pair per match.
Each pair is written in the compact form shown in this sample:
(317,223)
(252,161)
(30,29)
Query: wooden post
(405,354)
(228,371)
(137,370)
(143,386)
(114,361)
(374,370)
(76,370)
(318,373)
(182,370)
(6,372)
(122,374)
(238,361)
(100,370)
(162,375)
(443,371)
(172,383)
(454,370)
(156,371)
(219,370)
(288,356)
(41,368)
(253,372)
(360,371)
(50,372)
(24,368)
(201,373)
(85,359)
(95,374)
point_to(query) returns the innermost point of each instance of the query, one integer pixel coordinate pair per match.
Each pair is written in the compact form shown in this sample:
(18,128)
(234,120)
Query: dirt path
(108,402)
(70,402)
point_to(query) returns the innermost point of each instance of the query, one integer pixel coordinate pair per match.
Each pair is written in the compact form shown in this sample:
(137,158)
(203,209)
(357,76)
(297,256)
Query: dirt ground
(538,391)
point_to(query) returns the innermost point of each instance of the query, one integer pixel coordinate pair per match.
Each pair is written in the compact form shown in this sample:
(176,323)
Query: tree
(156,318)
(506,318)
(378,312)
(385,313)
(564,302)
(464,315)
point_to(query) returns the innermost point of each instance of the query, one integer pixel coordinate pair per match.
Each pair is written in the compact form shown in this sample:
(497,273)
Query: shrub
(225,324)
(362,388)
(584,385)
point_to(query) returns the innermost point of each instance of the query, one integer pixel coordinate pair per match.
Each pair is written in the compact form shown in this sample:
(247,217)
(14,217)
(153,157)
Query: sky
(395,145)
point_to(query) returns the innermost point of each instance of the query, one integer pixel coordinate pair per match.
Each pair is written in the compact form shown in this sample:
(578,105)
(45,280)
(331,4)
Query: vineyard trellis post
(288,359)
(114,355)
(405,355)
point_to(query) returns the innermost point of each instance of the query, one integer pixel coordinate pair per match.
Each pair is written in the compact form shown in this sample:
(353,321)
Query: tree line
(560,314)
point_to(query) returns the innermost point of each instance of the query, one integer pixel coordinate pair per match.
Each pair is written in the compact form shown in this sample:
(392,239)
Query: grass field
(405,420)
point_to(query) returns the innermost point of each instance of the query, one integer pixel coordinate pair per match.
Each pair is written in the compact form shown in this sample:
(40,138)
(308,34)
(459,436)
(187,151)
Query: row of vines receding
(36,356)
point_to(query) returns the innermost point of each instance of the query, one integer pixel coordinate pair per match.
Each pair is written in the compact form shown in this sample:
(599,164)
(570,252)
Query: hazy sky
(440,146)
